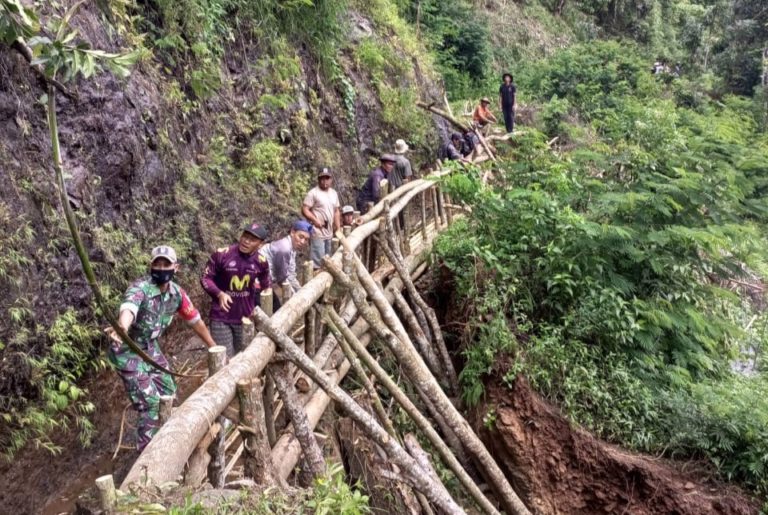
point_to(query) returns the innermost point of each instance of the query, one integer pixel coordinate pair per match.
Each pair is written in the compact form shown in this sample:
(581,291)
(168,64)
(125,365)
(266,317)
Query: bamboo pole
(413,412)
(258,457)
(217,357)
(417,370)
(423,206)
(417,478)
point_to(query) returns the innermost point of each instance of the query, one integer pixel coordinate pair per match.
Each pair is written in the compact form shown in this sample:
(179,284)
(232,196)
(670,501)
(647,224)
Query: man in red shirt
(482,115)
(234,278)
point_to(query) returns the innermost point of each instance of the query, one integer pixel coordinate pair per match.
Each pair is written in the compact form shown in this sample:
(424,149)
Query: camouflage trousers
(144,385)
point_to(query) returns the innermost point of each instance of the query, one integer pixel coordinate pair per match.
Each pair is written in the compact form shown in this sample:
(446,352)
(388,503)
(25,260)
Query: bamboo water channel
(351,298)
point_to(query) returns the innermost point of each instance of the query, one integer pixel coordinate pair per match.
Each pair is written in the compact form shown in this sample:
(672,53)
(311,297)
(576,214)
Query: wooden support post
(441,206)
(249,331)
(334,245)
(269,410)
(423,206)
(217,357)
(370,257)
(258,458)
(448,212)
(435,209)
(266,302)
(107,493)
(166,408)
(310,344)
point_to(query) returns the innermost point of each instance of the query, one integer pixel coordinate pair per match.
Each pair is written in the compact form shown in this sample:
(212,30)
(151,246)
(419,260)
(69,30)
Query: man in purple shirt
(234,278)
(371,191)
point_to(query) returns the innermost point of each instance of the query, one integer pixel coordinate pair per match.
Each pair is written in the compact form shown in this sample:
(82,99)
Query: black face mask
(161,277)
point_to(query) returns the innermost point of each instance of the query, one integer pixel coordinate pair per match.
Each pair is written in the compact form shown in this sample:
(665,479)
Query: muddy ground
(557,468)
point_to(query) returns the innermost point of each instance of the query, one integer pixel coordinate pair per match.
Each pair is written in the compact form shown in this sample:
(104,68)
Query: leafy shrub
(613,256)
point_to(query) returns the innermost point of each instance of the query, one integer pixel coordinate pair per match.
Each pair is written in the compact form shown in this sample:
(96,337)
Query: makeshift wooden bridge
(261,408)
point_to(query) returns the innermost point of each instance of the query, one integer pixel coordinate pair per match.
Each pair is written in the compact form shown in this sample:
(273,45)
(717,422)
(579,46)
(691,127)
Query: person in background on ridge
(402,171)
(507,92)
(483,116)
(321,207)
(348,216)
(146,312)
(451,151)
(371,190)
(281,257)
(234,278)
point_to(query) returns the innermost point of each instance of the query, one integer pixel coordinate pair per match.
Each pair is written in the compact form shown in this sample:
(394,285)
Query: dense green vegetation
(473,45)
(613,270)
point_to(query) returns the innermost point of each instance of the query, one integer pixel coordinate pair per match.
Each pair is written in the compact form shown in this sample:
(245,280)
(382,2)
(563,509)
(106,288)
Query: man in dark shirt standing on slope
(234,278)
(507,93)
(371,190)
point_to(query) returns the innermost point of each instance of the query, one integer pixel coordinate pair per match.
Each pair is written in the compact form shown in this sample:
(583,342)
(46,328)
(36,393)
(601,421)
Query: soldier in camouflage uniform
(147,310)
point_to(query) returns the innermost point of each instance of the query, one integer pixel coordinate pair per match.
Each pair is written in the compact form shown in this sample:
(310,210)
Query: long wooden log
(435,491)
(285,453)
(313,456)
(400,344)
(392,253)
(418,418)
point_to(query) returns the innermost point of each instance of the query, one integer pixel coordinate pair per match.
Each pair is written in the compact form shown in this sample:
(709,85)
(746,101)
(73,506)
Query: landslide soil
(558,468)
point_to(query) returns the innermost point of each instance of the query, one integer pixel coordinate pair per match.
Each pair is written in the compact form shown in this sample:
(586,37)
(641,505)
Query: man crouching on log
(146,312)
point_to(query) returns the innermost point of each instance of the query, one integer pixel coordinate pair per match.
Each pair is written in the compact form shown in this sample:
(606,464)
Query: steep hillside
(222,121)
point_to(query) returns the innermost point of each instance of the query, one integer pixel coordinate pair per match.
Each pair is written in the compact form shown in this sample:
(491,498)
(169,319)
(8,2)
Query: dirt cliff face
(558,468)
(147,162)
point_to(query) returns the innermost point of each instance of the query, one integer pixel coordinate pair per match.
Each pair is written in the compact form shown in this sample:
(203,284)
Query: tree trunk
(410,408)
(417,371)
(413,293)
(435,492)
(312,453)
(258,457)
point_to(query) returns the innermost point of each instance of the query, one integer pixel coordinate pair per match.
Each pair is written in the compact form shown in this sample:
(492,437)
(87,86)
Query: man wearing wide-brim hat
(402,172)
(482,115)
